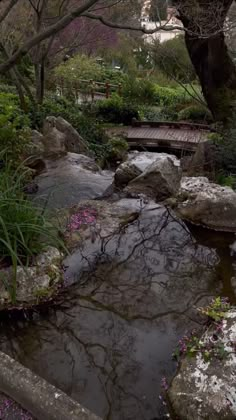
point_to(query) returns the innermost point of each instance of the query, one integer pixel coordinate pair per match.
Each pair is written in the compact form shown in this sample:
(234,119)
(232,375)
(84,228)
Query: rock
(35,152)
(91,226)
(203,162)
(207,390)
(70,179)
(60,137)
(37,146)
(30,188)
(207,204)
(159,180)
(53,139)
(133,167)
(40,280)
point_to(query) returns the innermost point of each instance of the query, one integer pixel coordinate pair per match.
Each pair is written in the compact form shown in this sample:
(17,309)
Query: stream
(110,341)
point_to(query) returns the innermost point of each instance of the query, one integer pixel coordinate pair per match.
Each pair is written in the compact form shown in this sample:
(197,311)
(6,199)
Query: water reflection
(111,340)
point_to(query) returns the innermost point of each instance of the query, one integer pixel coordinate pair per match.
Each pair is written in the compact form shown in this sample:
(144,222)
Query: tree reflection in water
(110,341)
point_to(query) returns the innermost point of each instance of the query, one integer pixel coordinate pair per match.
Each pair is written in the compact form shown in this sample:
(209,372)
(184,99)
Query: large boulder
(159,180)
(71,178)
(207,204)
(133,167)
(39,281)
(35,152)
(59,137)
(207,389)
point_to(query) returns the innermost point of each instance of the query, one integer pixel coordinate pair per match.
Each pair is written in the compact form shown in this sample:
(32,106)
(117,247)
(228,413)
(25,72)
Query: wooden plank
(166,133)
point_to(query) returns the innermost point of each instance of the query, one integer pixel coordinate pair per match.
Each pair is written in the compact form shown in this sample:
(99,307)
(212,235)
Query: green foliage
(24,229)
(116,110)
(172,58)
(79,67)
(123,54)
(73,74)
(165,96)
(151,113)
(226,181)
(14,133)
(225,155)
(112,152)
(139,91)
(11,112)
(217,309)
(211,346)
(81,118)
(4,88)
(195,113)
(117,149)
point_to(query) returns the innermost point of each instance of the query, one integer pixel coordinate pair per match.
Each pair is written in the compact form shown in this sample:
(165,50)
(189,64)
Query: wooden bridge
(173,135)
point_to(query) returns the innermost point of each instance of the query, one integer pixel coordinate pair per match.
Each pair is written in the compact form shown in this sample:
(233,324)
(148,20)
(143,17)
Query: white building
(161,35)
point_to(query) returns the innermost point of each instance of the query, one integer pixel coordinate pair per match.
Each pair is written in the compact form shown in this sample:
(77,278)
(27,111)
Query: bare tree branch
(52,30)
(7,10)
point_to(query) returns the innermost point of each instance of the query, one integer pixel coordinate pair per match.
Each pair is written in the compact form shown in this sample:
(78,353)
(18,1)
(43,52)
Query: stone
(53,139)
(34,282)
(204,203)
(207,389)
(35,152)
(59,137)
(133,167)
(70,179)
(37,396)
(89,227)
(37,146)
(159,180)
(203,162)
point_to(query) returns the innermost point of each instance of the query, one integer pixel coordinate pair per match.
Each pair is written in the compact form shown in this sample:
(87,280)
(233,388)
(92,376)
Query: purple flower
(164,383)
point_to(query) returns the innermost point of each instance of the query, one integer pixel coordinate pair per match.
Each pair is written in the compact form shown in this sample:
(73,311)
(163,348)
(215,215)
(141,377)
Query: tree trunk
(204,22)
(40,79)
(216,72)
(16,81)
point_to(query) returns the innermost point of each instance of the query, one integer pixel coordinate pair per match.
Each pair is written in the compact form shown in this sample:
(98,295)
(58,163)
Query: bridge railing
(172,124)
(88,89)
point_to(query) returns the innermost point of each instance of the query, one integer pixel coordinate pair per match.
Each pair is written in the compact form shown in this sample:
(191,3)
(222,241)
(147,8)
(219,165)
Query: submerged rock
(159,180)
(207,390)
(207,204)
(70,179)
(34,283)
(90,229)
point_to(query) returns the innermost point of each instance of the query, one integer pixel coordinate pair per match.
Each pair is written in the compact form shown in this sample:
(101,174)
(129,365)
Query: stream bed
(109,342)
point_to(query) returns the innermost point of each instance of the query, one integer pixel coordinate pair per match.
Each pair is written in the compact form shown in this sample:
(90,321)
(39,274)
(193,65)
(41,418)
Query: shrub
(226,152)
(24,229)
(115,110)
(112,152)
(195,113)
(226,181)
(7,89)
(151,113)
(165,96)
(139,91)
(14,133)
(11,112)
(83,122)
(172,58)
(117,149)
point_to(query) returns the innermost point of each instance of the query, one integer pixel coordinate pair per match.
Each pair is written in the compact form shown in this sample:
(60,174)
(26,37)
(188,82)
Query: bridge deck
(183,137)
